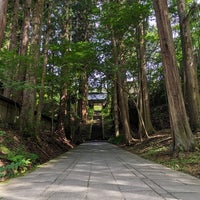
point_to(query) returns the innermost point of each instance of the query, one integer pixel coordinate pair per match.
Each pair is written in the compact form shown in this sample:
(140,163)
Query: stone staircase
(97,131)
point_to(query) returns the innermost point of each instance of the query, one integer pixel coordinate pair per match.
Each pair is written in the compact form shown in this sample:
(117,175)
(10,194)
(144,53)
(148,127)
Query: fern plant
(19,162)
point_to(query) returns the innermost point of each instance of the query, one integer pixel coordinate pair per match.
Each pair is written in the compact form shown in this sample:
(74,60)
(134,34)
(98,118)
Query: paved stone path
(101,171)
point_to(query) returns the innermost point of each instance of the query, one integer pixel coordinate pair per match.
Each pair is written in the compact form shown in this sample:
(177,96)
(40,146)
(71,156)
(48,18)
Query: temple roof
(97,97)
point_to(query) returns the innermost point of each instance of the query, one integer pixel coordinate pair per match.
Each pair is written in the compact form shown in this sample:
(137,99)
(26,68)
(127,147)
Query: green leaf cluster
(2,133)
(19,161)
(119,17)
(117,140)
(10,64)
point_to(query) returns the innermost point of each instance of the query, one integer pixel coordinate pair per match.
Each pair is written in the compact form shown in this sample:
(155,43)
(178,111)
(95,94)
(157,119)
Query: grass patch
(158,150)
(185,161)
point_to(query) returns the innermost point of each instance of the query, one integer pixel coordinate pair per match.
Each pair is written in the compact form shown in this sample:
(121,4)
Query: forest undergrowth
(19,154)
(158,148)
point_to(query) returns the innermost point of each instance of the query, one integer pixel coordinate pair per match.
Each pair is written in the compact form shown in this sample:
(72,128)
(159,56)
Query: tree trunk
(13,45)
(123,111)
(116,90)
(183,138)
(82,102)
(44,71)
(3,12)
(81,33)
(145,124)
(68,132)
(25,28)
(192,97)
(116,112)
(29,94)
(23,47)
(62,109)
(15,27)
(117,47)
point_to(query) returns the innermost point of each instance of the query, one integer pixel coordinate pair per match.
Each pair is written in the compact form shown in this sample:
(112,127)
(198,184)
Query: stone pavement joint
(99,170)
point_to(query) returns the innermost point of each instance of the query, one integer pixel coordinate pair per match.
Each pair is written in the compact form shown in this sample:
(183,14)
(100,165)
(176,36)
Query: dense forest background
(143,55)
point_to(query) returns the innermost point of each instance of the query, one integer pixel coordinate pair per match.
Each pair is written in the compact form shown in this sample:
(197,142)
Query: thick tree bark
(122,103)
(25,28)
(192,97)
(13,46)
(68,130)
(62,109)
(115,109)
(183,138)
(15,27)
(3,12)
(23,47)
(123,111)
(27,118)
(82,102)
(44,70)
(116,100)
(145,124)
(64,118)
(121,98)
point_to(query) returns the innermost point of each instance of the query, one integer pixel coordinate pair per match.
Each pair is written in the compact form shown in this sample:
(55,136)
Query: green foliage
(117,140)
(90,112)
(18,161)
(4,149)
(15,168)
(154,150)
(10,63)
(120,16)
(2,133)
(179,163)
(182,161)
(21,154)
(5,62)
(81,54)
(106,111)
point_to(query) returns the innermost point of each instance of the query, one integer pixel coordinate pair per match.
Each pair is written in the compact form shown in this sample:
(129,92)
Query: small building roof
(97,96)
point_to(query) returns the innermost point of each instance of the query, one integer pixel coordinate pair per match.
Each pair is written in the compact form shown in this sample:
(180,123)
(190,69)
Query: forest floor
(19,154)
(158,149)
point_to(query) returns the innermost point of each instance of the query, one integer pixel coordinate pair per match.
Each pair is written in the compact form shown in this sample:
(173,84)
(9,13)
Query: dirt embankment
(19,154)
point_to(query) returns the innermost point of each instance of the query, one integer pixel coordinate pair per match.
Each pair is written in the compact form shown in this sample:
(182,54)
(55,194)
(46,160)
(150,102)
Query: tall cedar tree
(13,45)
(181,131)
(82,34)
(27,117)
(23,48)
(64,94)
(81,28)
(120,79)
(41,92)
(191,87)
(145,124)
(3,12)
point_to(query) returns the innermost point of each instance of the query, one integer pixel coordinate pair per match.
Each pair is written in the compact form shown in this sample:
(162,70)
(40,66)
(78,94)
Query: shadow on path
(99,170)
